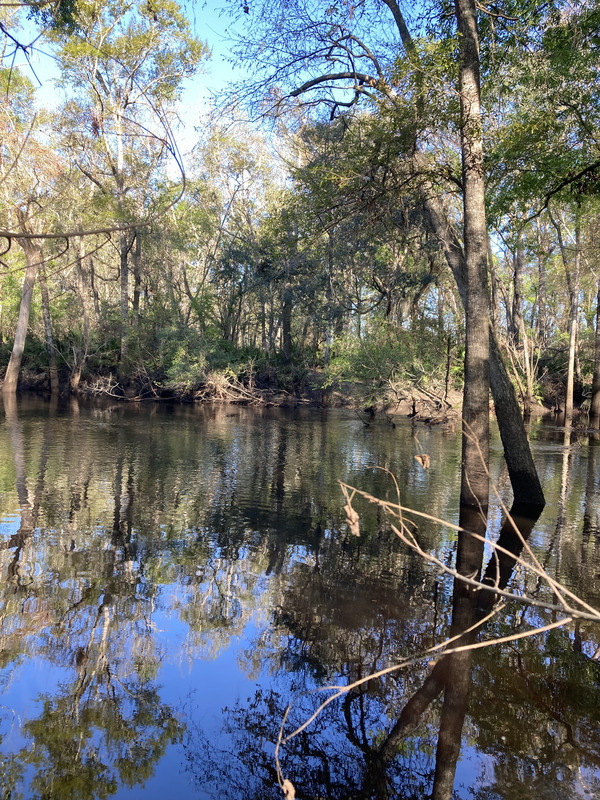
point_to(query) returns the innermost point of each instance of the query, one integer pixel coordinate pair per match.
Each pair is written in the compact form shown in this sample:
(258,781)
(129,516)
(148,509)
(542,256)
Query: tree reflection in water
(360,747)
(228,528)
(105,725)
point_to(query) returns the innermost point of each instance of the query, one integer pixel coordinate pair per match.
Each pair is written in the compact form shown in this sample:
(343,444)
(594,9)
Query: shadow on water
(149,559)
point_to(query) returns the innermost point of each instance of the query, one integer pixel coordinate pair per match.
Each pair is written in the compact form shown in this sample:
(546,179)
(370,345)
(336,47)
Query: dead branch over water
(488,593)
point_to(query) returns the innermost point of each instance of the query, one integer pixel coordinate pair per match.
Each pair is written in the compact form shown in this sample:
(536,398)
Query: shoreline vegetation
(284,387)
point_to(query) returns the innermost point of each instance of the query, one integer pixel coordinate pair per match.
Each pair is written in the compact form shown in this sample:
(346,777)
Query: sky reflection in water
(171,578)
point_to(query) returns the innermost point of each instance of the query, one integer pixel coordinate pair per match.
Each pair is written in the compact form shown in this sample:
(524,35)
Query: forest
(307,244)
(394,207)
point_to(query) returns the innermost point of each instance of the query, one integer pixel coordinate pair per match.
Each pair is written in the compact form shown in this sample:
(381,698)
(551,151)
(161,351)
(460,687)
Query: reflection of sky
(219,661)
(20,696)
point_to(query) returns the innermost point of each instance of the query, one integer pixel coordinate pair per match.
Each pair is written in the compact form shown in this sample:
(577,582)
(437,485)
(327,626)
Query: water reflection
(104,724)
(159,566)
(523,711)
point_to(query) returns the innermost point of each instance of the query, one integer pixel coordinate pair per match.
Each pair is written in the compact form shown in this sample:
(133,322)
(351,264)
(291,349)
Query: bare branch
(359,77)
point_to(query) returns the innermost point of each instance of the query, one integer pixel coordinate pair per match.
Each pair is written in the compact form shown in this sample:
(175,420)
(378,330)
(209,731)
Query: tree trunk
(124,269)
(263,326)
(476,396)
(573,334)
(286,323)
(595,403)
(469,561)
(329,299)
(542,325)
(518,340)
(517,299)
(523,475)
(137,276)
(528,369)
(524,479)
(33,258)
(54,387)
(494,301)
(80,355)
(572,278)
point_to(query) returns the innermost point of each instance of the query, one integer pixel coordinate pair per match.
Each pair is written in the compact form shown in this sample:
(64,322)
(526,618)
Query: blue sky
(211,25)
(207,22)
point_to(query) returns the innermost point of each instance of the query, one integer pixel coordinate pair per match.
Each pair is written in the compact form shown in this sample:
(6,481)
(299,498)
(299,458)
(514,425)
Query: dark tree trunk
(542,325)
(476,396)
(286,322)
(595,403)
(517,299)
(80,354)
(137,276)
(517,453)
(329,298)
(494,287)
(523,475)
(469,561)
(124,270)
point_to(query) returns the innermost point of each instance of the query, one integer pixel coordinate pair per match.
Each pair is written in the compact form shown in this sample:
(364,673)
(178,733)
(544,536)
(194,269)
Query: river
(174,577)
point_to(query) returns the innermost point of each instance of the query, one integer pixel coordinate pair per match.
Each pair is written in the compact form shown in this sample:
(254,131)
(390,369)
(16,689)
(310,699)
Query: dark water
(173,578)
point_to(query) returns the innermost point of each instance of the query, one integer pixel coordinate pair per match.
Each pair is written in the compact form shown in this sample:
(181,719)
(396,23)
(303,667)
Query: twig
(340,691)
(398,510)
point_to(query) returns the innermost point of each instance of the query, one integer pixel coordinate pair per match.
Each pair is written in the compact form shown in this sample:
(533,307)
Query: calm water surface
(173,578)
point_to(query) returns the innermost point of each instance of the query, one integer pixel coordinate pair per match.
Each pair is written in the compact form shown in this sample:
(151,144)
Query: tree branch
(359,78)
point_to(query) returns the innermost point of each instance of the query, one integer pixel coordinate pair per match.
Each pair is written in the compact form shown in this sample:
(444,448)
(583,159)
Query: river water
(173,578)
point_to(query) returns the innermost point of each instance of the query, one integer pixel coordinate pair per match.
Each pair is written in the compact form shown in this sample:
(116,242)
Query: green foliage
(182,358)
(185,359)
(60,17)
(391,357)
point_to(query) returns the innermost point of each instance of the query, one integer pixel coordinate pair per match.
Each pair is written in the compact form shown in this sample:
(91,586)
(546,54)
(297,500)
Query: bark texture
(517,453)
(476,396)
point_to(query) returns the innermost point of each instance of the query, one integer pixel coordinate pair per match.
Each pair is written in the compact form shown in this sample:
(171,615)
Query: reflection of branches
(407,536)
(340,691)
(594,758)
(463,642)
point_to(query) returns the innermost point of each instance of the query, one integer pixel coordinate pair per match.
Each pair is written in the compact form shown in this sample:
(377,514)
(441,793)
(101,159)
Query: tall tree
(127,62)
(475,476)
(30,186)
(361,42)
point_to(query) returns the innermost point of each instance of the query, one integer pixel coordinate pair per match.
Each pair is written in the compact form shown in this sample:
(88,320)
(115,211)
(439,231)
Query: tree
(30,183)
(544,154)
(128,62)
(307,37)
(474,487)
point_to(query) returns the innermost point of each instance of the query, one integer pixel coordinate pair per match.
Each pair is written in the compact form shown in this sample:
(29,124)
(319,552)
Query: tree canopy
(318,224)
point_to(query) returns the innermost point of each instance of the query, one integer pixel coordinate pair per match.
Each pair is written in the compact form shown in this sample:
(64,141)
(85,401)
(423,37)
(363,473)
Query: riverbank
(286,387)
